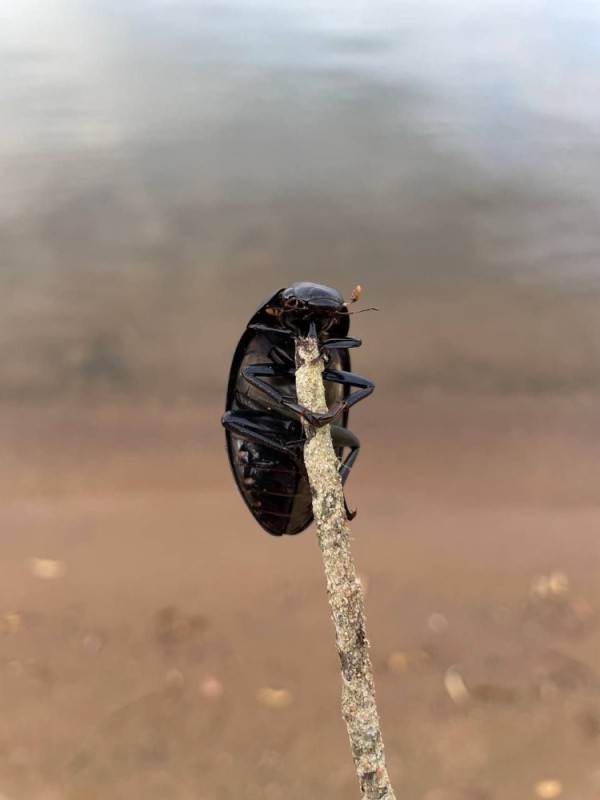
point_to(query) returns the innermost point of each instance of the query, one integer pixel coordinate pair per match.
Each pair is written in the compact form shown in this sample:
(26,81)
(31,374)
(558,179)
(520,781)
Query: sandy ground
(156,644)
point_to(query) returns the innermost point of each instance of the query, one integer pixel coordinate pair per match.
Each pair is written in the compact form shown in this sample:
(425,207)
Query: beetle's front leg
(255,372)
(365,388)
(336,344)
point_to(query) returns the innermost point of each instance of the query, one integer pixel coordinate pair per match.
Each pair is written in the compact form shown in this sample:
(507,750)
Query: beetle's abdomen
(275,490)
(265,438)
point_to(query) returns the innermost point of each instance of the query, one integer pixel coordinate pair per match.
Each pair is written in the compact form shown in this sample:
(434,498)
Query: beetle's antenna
(356,293)
(361,310)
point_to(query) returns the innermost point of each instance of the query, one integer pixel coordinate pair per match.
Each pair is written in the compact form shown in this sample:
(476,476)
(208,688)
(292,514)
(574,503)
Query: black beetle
(264,432)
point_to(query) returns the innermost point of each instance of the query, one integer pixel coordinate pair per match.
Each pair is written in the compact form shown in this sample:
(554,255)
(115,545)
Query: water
(167,164)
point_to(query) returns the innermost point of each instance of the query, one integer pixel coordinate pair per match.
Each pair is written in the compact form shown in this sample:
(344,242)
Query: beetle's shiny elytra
(262,420)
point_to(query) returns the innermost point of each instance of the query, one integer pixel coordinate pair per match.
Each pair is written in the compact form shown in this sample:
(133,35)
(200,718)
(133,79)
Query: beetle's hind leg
(342,437)
(250,428)
(253,429)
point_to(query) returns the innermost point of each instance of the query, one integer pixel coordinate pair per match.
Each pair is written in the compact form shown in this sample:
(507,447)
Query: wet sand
(157,644)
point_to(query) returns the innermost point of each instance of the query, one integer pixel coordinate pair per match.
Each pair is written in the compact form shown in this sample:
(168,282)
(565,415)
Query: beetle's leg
(342,344)
(251,430)
(342,437)
(253,374)
(365,388)
(262,328)
(336,344)
(283,355)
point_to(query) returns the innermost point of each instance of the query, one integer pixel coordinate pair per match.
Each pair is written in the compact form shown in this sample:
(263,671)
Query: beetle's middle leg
(342,437)
(253,374)
(351,380)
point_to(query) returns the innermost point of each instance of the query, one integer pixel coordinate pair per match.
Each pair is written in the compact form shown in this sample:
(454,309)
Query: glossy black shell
(274,485)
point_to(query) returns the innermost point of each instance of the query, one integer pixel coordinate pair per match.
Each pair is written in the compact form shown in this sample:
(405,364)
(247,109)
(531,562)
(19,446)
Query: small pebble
(548,789)
(397,661)
(10,622)
(540,587)
(211,687)
(455,686)
(559,583)
(277,699)
(437,623)
(47,568)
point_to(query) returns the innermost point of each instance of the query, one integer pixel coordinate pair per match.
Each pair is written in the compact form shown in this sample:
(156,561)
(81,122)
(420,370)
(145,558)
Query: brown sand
(163,647)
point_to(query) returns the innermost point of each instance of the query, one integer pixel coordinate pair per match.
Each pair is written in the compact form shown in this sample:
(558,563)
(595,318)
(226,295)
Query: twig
(343,588)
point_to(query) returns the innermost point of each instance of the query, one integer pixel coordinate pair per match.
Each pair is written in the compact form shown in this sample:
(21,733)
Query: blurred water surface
(167,164)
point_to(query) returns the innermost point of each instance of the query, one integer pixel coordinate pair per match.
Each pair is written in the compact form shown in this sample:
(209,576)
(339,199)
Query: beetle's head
(305,303)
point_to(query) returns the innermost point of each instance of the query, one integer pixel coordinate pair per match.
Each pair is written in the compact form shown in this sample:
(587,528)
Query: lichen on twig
(343,588)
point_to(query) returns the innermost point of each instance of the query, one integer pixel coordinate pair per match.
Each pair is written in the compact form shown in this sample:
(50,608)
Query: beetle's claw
(349,514)
(313,419)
